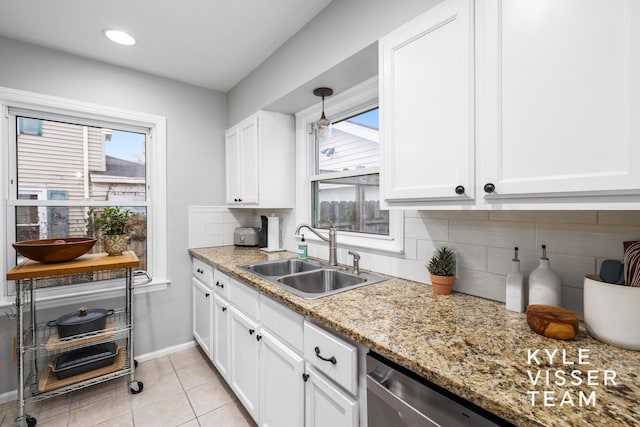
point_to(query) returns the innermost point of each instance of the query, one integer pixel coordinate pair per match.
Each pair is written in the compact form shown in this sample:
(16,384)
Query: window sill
(45,301)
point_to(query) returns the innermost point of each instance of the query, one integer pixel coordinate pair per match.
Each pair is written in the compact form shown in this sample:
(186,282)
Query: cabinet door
(245,357)
(559,97)
(327,405)
(427,106)
(232,172)
(248,160)
(281,384)
(221,335)
(202,315)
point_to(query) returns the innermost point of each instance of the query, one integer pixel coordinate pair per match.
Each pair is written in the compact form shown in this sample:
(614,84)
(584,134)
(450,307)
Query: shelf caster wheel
(31,421)
(135,387)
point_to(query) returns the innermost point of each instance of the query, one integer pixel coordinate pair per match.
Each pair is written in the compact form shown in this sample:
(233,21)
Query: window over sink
(341,166)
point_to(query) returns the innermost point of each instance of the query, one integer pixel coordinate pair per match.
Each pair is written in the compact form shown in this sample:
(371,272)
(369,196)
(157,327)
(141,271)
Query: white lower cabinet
(245,361)
(267,354)
(220,354)
(202,315)
(326,404)
(281,383)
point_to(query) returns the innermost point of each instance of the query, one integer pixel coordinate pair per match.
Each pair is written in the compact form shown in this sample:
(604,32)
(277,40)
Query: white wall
(196,119)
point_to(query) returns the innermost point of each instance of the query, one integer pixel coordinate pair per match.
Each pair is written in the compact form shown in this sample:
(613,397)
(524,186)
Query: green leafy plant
(443,262)
(113,220)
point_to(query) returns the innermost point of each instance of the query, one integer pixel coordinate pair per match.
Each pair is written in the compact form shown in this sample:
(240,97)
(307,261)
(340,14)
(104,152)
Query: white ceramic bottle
(515,286)
(544,284)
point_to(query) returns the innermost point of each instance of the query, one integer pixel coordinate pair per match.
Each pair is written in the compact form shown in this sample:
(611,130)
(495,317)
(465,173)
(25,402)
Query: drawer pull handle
(206,295)
(224,308)
(220,285)
(305,377)
(258,337)
(331,359)
(251,331)
(200,271)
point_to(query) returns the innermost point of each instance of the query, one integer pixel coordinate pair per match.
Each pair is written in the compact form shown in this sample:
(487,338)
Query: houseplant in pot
(114,226)
(442,268)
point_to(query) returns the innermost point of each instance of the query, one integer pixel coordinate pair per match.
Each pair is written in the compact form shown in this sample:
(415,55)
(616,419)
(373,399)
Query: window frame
(156,189)
(350,102)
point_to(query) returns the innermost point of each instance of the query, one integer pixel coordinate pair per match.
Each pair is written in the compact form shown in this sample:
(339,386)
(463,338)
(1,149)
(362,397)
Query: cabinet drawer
(203,271)
(221,283)
(282,321)
(245,298)
(333,356)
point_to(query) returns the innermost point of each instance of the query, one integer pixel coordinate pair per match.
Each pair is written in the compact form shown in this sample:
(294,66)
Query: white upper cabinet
(559,97)
(427,106)
(260,163)
(524,103)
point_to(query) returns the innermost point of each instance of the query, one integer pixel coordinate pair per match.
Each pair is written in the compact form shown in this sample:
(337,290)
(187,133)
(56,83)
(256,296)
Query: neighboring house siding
(54,162)
(351,144)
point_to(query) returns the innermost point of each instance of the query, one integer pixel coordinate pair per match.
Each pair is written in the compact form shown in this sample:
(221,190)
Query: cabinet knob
(224,308)
(489,188)
(305,377)
(251,331)
(206,295)
(460,189)
(235,200)
(239,200)
(258,337)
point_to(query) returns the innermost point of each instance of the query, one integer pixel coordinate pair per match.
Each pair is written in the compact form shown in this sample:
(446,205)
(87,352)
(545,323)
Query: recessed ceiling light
(119,37)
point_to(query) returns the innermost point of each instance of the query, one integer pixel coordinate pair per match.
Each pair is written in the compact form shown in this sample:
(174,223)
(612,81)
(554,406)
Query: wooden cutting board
(552,321)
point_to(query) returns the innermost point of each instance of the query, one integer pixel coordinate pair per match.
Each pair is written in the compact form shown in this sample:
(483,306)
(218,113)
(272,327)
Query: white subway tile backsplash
(572,300)
(482,284)
(603,241)
(426,229)
(619,217)
(410,249)
(493,233)
(459,215)
(562,217)
(499,260)
(469,257)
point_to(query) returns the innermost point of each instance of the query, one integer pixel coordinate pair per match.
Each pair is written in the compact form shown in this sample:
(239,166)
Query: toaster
(246,236)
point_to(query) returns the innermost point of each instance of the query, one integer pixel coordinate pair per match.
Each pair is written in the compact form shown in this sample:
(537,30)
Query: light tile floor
(182,389)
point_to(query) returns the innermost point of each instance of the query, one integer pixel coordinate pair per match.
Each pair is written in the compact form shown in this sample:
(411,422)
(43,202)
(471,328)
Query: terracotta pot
(442,284)
(115,244)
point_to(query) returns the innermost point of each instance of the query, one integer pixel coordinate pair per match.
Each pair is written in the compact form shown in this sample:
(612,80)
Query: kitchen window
(342,172)
(66,167)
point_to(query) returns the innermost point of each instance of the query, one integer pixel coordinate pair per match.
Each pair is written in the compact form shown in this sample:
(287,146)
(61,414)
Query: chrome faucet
(333,246)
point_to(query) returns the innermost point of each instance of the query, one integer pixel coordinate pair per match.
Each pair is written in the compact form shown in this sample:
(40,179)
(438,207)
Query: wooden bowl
(553,322)
(55,250)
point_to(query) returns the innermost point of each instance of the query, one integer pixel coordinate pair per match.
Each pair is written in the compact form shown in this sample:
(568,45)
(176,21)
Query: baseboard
(8,396)
(13,395)
(165,351)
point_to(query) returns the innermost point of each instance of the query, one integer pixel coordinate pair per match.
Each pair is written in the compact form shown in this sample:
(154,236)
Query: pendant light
(323,125)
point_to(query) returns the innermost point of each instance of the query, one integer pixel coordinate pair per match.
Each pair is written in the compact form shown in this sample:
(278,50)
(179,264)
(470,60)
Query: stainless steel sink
(282,267)
(308,279)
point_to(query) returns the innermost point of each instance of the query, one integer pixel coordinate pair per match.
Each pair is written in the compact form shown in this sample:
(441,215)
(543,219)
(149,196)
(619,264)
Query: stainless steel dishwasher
(398,398)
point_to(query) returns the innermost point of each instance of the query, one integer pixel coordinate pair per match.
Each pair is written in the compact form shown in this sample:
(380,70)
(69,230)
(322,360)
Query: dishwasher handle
(406,412)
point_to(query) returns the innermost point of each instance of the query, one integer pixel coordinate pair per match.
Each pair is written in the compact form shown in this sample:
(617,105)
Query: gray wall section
(341,30)
(196,120)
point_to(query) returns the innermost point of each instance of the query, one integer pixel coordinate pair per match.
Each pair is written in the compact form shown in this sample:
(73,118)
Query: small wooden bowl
(553,322)
(55,250)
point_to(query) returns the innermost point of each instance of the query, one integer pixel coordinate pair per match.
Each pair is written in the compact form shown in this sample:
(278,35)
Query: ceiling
(208,43)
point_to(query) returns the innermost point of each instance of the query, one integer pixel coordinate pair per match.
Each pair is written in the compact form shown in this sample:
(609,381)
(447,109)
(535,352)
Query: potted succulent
(442,269)
(114,226)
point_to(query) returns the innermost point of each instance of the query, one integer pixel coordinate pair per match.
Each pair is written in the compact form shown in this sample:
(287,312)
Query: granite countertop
(471,346)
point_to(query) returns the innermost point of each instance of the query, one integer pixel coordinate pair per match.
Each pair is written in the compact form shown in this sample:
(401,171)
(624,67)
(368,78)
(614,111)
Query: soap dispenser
(302,248)
(544,284)
(515,286)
